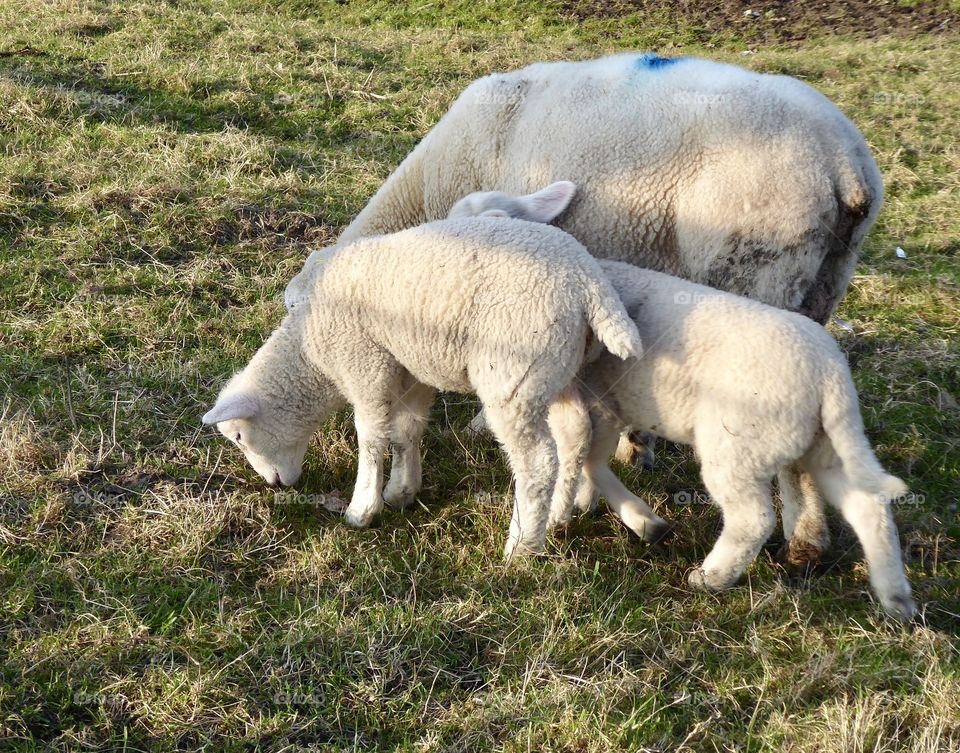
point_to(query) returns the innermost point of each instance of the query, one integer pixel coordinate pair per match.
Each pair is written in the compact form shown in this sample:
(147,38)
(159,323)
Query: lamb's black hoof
(657,533)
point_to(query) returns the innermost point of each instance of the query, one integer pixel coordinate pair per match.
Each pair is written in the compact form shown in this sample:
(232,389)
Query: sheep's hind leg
(633,511)
(804,522)
(530,449)
(407,424)
(748,521)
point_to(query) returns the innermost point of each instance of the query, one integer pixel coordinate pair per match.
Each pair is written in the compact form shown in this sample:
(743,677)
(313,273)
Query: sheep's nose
(276,479)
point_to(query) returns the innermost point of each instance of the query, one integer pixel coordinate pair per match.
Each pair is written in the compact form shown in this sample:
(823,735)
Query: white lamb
(499,308)
(753,388)
(751,183)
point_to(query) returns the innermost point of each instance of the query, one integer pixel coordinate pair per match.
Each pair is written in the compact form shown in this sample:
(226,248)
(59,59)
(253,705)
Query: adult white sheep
(499,308)
(753,388)
(752,183)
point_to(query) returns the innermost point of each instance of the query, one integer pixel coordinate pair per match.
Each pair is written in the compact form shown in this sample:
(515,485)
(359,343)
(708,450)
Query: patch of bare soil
(777,22)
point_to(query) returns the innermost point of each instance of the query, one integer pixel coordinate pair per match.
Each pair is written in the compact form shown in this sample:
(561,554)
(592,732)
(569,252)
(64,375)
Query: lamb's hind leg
(804,522)
(872,520)
(525,437)
(407,423)
(569,421)
(748,521)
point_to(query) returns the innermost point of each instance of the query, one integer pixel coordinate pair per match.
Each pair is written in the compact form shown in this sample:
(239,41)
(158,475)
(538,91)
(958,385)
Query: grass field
(165,168)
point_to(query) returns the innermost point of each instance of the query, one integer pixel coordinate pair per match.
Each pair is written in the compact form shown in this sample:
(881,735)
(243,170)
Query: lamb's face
(279,462)
(277,458)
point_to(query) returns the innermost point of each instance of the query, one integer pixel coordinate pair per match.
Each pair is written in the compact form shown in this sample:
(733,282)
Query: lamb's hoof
(358,518)
(586,502)
(901,607)
(657,532)
(399,498)
(648,459)
(478,425)
(516,549)
(698,579)
(701,580)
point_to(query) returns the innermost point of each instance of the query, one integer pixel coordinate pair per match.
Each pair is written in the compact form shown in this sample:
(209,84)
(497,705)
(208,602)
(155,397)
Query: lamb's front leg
(748,521)
(633,511)
(372,439)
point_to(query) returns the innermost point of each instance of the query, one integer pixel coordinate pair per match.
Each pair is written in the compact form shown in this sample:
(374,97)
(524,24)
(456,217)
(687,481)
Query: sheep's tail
(610,321)
(843,424)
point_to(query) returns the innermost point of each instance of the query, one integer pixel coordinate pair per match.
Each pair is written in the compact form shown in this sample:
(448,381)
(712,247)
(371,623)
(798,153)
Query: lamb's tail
(609,319)
(843,424)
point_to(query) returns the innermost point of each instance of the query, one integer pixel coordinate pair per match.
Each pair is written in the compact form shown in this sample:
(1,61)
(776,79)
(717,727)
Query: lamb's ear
(494,213)
(234,405)
(548,202)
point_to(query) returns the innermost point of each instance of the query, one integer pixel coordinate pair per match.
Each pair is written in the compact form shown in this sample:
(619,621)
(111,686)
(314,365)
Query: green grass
(165,169)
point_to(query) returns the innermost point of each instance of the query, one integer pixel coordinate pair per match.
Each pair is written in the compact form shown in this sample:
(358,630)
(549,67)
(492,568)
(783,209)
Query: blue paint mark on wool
(650,61)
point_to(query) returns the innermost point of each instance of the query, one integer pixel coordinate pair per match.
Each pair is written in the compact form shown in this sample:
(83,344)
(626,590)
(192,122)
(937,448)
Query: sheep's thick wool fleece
(756,184)
(452,299)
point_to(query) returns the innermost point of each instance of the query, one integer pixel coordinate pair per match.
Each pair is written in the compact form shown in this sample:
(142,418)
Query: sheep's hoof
(558,520)
(701,580)
(515,549)
(637,448)
(697,579)
(478,425)
(586,500)
(626,450)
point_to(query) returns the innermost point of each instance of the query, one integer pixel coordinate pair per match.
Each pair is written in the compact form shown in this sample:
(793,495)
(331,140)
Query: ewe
(499,308)
(751,183)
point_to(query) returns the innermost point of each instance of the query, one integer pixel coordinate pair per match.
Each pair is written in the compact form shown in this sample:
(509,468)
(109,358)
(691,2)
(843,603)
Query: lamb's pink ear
(234,405)
(494,213)
(548,202)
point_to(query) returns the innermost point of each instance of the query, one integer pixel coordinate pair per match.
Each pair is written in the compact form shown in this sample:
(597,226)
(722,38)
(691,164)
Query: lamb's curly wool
(751,183)
(753,389)
(499,308)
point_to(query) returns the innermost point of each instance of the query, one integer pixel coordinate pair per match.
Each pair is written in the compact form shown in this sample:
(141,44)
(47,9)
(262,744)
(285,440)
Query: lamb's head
(274,454)
(542,206)
(272,408)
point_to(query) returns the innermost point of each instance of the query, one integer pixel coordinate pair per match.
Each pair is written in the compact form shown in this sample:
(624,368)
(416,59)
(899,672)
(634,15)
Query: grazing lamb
(753,388)
(499,308)
(751,183)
